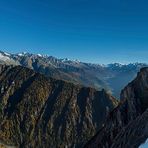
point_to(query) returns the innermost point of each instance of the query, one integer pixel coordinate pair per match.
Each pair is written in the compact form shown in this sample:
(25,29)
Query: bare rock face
(134,134)
(127,125)
(136,94)
(39,112)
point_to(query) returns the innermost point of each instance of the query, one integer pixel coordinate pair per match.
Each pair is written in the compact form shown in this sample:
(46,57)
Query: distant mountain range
(112,77)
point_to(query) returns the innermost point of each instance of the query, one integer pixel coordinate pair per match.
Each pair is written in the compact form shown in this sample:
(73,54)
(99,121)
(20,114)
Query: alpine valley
(90,75)
(47,102)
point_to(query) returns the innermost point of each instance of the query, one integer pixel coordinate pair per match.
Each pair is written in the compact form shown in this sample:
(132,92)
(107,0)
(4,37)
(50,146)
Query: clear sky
(98,31)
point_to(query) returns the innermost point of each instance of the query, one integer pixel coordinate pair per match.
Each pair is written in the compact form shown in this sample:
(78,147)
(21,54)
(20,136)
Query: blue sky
(98,31)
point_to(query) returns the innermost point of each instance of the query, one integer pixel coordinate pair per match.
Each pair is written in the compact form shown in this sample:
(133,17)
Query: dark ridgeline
(36,111)
(127,125)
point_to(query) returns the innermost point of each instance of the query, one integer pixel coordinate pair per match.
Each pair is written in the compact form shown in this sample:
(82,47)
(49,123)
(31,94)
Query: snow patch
(4,58)
(145,145)
(7,54)
(39,55)
(20,54)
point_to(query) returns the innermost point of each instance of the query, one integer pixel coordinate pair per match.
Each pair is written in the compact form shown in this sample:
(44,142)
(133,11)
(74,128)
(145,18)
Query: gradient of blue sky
(99,31)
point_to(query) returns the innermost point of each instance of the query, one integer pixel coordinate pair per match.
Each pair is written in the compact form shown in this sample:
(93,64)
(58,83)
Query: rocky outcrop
(134,134)
(36,111)
(127,125)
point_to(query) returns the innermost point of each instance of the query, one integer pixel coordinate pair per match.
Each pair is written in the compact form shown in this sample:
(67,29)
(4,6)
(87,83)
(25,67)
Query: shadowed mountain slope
(36,111)
(127,125)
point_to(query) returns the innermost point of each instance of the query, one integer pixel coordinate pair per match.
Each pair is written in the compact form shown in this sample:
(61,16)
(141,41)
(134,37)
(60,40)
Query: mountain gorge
(127,125)
(43,103)
(36,111)
(87,74)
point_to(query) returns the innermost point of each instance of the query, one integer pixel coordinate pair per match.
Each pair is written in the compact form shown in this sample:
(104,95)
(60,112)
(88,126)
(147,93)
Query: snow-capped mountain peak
(4,56)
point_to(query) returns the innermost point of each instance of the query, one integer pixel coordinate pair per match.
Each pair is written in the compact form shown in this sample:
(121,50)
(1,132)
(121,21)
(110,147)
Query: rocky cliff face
(127,125)
(39,112)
